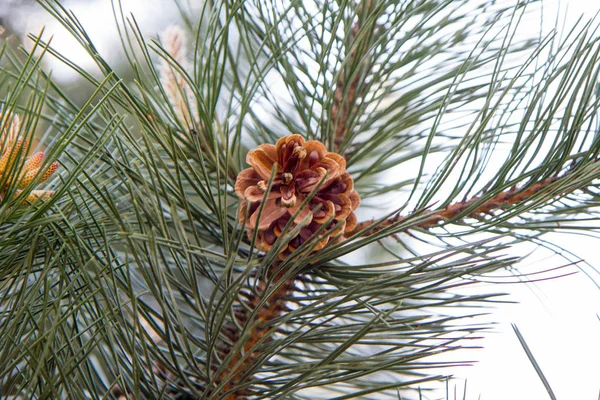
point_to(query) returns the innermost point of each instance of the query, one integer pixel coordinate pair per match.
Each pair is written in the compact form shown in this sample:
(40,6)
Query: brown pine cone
(300,167)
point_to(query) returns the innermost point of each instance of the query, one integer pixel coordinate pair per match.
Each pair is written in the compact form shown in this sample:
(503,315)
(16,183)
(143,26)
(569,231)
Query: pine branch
(474,207)
(147,224)
(273,306)
(257,314)
(347,90)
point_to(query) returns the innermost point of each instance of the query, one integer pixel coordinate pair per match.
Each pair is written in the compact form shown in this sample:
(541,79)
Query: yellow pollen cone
(34,161)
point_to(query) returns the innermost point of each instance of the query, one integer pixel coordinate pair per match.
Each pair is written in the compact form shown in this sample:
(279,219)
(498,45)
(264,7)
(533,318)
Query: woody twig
(451,212)
(347,90)
(260,324)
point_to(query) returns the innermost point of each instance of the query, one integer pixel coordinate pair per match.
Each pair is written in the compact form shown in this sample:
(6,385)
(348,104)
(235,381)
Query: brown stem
(450,212)
(344,106)
(271,309)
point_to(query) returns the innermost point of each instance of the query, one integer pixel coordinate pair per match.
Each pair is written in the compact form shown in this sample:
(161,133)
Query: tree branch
(260,324)
(501,200)
(345,97)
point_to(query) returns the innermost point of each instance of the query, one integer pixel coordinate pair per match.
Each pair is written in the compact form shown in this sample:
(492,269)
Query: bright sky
(560,319)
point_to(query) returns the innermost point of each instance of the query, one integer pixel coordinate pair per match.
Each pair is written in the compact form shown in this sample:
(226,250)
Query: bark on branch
(344,101)
(501,200)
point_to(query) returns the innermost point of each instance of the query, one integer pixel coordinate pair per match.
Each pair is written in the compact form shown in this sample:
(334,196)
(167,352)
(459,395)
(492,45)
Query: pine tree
(197,231)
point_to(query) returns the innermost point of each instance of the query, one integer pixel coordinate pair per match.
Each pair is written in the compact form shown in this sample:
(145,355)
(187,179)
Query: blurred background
(559,318)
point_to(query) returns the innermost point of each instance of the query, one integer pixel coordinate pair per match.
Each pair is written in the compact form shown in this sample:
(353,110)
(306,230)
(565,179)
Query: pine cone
(300,167)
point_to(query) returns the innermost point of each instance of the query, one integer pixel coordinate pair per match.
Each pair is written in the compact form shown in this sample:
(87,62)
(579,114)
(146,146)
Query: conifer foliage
(198,224)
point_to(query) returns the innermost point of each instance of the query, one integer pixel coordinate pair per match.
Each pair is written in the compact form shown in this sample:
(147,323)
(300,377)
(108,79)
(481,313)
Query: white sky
(560,319)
